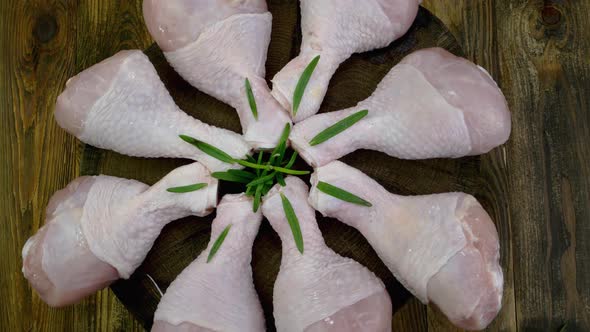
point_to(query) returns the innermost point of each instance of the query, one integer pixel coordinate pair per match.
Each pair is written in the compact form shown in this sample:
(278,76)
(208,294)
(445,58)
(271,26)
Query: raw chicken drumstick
(120,104)
(319,290)
(334,30)
(216,293)
(431,105)
(216,45)
(444,248)
(100,228)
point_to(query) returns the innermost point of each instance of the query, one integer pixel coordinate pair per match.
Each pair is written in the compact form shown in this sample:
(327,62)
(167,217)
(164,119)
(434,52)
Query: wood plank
(412,316)
(545,73)
(39,49)
(38,46)
(473,23)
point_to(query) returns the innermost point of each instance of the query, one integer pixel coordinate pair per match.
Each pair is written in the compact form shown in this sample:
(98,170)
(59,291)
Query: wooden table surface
(538,51)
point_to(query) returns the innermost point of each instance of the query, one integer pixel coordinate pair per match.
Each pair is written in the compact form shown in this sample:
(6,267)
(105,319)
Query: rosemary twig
(230,177)
(271,168)
(218,243)
(302,83)
(208,149)
(262,180)
(338,127)
(341,194)
(251,99)
(187,189)
(293,222)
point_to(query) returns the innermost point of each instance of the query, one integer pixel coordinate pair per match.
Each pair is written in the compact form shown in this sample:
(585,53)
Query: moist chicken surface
(444,248)
(319,290)
(218,295)
(433,104)
(100,228)
(334,30)
(121,104)
(216,45)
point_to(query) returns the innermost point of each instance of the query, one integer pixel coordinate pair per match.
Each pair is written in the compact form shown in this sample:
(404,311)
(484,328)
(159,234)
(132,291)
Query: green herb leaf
(267,187)
(250,191)
(229,177)
(252,165)
(277,154)
(257,197)
(208,149)
(187,189)
(262,180)
(292,160)
(285,134)
(242,173)
(251,99)
(271,168)
(341,194)
(281,155)
(302,83)
(293,222)
(272,159)
(283,139)
(260,155)
(289,171)
(281,179)
(339,127)
(218,243)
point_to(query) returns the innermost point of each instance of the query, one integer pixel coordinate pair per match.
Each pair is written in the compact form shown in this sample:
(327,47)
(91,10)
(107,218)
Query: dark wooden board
(549,154)
(356,79)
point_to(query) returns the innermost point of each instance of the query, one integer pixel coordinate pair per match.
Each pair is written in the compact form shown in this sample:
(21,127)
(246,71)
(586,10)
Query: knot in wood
(45,28)
(550,15)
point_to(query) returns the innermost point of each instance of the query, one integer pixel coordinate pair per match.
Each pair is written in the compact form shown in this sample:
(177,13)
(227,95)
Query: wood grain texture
(536,187)
(545,71)
(43,43)
(539,52)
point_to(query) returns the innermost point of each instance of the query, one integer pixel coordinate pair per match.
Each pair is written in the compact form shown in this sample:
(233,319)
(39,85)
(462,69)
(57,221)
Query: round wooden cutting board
(183,240)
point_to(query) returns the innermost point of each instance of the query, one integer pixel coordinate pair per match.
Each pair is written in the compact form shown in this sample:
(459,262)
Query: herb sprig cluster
(260,174)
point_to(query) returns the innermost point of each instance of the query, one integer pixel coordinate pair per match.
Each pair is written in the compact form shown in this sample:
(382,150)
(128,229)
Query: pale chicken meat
(216,293)
(433,104)
(216,45)
(334,30)
(444,248)
(319,290)
(121,104)
(100,228)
